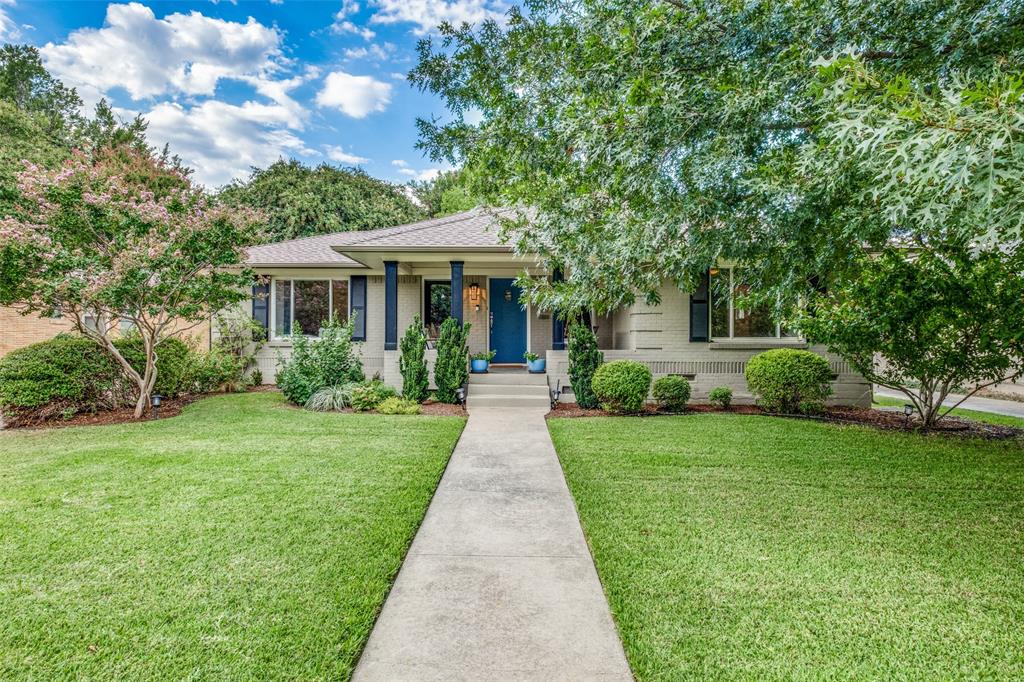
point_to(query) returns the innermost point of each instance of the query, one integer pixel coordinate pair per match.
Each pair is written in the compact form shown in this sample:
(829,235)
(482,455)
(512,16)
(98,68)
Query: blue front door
(508,322)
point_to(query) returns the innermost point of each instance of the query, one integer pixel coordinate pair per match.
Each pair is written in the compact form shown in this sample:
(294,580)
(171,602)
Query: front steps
(508,389)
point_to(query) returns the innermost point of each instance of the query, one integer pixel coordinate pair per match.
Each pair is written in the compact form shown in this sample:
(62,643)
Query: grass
(747,547)
(989,417)
(243,539)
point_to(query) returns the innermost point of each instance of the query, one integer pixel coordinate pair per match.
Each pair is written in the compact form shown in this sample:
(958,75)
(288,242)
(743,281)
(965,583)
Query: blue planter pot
(479,366)
(536,366)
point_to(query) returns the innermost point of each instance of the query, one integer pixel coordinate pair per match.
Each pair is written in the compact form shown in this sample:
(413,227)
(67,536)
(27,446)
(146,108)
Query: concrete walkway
(1010,408)
(499,583)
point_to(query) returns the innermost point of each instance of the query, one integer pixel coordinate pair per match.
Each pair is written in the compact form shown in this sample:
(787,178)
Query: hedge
(790,381)
(622,385)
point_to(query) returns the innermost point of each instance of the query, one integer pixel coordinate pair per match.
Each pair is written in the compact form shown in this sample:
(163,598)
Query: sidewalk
(499,583)
(1006,407)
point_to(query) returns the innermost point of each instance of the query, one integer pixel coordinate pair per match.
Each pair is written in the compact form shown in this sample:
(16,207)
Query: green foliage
(398,406)
(942,316)
(530,357)
(175,363)
(451,369)
(584,359)
(369,394)
(636,119)
(299,201)
(216,370)
(721,396)
(330,360)
(65,375)
(412,362)
(239,335)
(331,398)
(448,193)
(622,385)
(789,380)
(672,393)
(484,355)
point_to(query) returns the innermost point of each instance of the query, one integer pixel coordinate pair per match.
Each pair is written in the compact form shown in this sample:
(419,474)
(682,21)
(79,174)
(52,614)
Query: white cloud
(356,96)
(8,28)
(374,51)
(429,14)
(346,26)
(341,156)
(223,141)
(425,174)
(181,53)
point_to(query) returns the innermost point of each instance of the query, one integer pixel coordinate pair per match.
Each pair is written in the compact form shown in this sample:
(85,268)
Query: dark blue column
(557,320)
(457,290)
(390,305)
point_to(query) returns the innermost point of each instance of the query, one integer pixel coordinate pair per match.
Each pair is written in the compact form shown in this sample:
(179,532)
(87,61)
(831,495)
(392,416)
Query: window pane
(751,322)
(438,305)
(339,301)
(311,305)
(282,307)
(720,303)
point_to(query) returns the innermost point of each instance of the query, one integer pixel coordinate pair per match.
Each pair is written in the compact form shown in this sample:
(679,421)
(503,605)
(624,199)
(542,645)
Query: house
(457,266)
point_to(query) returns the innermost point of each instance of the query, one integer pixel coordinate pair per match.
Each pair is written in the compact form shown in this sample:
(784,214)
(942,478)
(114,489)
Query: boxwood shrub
(174,364)
(672,393)
(622,385)
(790,381)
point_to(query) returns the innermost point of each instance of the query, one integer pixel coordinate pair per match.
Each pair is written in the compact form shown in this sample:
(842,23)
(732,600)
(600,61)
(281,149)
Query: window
(437,305)
(307,303)
(729,321)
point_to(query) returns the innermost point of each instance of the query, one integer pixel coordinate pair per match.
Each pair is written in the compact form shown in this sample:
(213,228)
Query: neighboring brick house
(18,331)
(456,266)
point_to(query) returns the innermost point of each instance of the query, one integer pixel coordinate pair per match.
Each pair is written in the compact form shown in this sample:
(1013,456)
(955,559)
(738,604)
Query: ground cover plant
(242,539)
(760,548)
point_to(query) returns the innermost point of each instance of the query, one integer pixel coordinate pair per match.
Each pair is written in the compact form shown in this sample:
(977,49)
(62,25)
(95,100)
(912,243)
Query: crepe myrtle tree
(927,320)
(122,236)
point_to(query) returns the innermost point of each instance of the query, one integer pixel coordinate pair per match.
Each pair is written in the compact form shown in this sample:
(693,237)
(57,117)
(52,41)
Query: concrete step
(509,401)
(509,389)
(509,378)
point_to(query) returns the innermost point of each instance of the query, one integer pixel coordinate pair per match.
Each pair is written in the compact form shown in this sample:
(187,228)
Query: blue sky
(234,85)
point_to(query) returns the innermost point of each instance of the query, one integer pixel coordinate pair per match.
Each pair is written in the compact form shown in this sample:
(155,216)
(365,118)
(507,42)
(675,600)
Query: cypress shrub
(415,377)
(584,359)
(451,370)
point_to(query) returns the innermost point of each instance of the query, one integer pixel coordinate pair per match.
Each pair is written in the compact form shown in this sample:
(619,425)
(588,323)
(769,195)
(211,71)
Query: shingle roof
(475,228)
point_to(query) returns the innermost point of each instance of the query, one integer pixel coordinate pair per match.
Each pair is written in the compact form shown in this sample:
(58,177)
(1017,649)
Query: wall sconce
(474,296)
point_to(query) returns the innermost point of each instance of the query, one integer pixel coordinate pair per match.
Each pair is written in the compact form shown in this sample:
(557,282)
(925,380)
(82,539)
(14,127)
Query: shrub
(216,370)
(239,335)
(398,406)
(315,363)
(584,359)
(721,396)
(174,363)
(369,394)
(450,370)
(256,377)
(62,376)
(622,385)
(331,399)
(789,380)
(413,364)
(672,393)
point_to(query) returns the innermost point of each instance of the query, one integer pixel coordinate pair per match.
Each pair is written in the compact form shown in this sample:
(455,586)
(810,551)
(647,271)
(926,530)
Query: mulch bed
(879,419)
(169,407)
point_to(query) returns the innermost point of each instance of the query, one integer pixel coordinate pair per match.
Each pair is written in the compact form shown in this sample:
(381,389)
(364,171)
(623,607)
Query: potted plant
(479,362)
(534,363)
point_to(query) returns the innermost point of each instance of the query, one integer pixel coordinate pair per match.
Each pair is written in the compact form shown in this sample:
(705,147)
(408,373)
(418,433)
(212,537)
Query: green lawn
(990,417)
(758,548)
(241,540)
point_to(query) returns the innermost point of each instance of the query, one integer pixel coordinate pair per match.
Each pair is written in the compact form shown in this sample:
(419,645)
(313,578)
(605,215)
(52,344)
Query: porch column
(557,321)
(390,305)
(457,290)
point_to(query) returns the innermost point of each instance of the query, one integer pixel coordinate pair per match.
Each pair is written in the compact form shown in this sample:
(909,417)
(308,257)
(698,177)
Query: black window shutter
(700,311)
(357,306)
(261,304)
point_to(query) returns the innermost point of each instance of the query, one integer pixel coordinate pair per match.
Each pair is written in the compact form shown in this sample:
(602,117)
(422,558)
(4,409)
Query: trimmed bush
(622,385)
(398,406)
(672,393)
(721,396)
(175,362)
(584,359)
(790,381)
(451,370)
(331,399)
(330,360)
(370,394)
(413,364)
(62,376)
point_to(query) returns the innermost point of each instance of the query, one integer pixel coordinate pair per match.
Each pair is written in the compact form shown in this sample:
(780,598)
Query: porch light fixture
(154,402)
(713,271)
(474,296)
